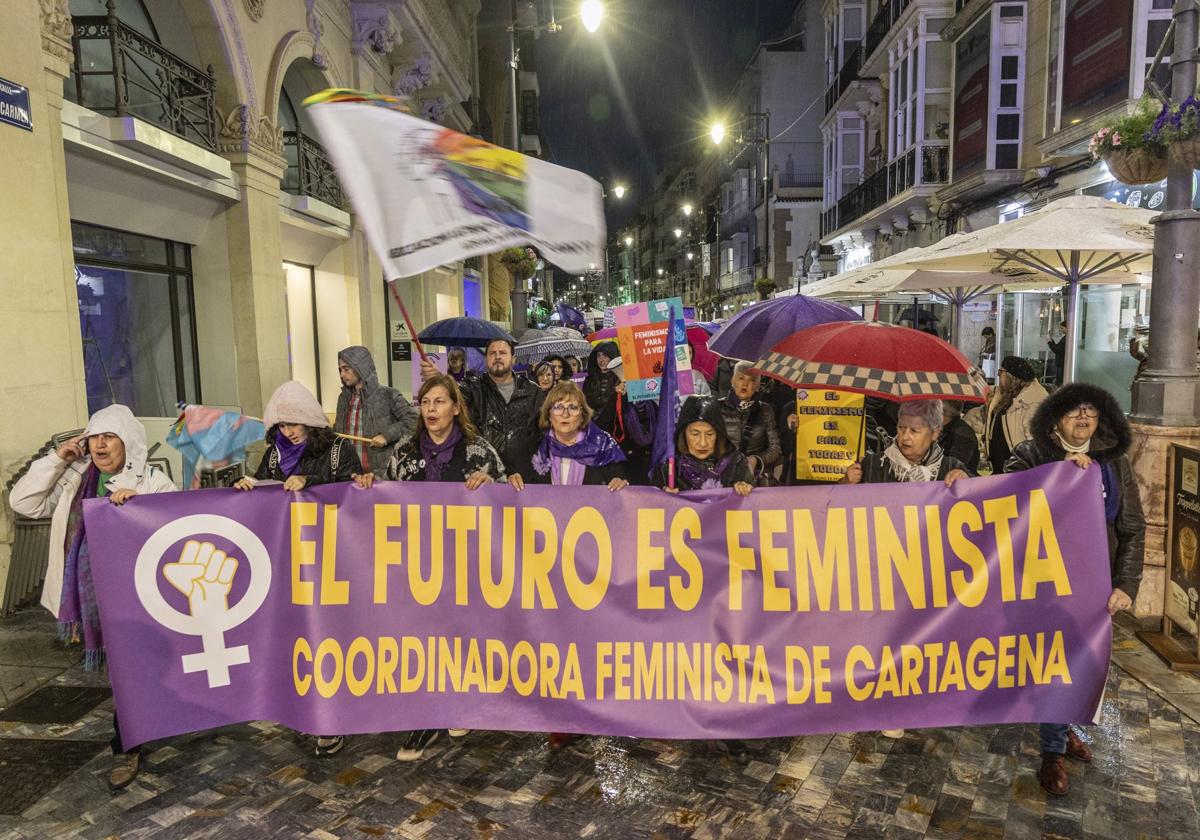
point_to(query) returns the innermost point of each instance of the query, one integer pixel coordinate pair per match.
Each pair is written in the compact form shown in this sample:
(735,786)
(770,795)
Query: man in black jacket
(503,406)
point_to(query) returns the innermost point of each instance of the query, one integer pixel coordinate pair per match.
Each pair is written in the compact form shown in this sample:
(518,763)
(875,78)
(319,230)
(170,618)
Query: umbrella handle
(391,284)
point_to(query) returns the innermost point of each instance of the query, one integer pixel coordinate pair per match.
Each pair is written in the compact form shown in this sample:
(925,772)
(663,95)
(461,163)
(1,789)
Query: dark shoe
(558,740)
(415,744)
(124,770)
(329,744)
(1077,749)
(1053,775)
(734,747)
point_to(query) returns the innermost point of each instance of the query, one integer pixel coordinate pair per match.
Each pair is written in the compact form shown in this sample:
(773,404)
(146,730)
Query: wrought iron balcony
(120,72)
(845,76)
(883,22)
(309,171)
(922,165)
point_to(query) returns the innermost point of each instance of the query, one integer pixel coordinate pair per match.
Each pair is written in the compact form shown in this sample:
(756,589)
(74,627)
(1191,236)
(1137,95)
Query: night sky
(619,104)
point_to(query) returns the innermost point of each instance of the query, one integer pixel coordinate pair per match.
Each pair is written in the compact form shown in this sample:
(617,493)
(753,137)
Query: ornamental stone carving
(415,78)
(57,28)
(242,130)
(316,29)
(435,109)
(372,27)
(255,9)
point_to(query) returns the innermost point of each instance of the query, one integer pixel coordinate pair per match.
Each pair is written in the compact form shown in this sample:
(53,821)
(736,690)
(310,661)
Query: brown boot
(124,770)
(1077,749)
(1053,774)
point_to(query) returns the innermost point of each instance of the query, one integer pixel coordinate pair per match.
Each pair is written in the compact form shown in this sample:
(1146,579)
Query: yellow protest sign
(829,432)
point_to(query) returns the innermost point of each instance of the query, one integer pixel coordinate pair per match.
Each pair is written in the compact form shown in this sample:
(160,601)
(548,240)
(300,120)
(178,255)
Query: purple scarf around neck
(78,613)
(289,453)
(695,474)
(437,455)
(593,448)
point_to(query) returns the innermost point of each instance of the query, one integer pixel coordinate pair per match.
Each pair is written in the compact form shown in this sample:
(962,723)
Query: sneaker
(892,733)
(458,733)
(330,744)
(124,770)
(416,742)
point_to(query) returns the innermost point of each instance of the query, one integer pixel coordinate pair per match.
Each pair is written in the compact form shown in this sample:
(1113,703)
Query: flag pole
(391,284)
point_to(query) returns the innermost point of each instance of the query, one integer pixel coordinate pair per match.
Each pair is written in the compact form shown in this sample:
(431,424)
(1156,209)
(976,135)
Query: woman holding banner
(107,461)
(573,452)
(705,458)
(302,450)
(1085,425)
(445,447)
(913,456)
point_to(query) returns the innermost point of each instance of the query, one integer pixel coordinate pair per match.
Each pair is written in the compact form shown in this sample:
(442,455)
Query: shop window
(317,329)
(137,320)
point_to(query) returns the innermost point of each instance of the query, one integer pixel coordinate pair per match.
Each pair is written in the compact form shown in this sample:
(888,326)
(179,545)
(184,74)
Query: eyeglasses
(1088,411)
(566,408)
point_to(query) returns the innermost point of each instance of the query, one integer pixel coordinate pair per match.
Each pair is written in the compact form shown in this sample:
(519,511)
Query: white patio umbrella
(894,275)
(1079,239)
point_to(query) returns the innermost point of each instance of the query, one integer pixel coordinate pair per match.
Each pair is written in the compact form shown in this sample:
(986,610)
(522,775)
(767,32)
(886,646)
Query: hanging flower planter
(1131,148)
(1136,166)
(1178,128)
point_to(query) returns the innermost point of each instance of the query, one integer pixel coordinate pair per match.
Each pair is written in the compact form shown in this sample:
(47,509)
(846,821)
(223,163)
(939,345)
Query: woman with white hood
(302,450)
(107,461)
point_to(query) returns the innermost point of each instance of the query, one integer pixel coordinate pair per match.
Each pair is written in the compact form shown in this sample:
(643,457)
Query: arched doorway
(309,171)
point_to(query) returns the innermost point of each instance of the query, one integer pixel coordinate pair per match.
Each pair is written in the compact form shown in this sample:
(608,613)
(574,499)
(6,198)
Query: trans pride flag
(208,436)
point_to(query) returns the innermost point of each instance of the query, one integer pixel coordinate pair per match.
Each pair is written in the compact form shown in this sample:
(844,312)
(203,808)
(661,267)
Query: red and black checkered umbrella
(895,363)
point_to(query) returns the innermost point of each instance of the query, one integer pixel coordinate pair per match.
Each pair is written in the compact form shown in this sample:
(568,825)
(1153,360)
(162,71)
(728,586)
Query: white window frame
(1143,13)
(1008,39)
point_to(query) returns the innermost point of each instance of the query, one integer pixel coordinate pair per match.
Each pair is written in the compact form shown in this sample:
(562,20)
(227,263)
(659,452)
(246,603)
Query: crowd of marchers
(539,426)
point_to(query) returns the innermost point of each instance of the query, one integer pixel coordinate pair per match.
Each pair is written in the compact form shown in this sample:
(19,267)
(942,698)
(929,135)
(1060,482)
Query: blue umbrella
(752,333)
(463,332)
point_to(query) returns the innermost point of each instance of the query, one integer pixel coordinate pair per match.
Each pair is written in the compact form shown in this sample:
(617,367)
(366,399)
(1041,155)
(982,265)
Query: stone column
(42,391)
(254,145)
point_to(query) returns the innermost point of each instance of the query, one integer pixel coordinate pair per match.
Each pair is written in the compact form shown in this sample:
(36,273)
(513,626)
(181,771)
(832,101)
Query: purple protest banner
(631,613)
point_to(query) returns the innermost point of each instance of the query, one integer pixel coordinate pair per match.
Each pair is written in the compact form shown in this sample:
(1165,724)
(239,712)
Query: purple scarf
(436,456)
(78,614)
(289,453)
(695,474)
(593,448)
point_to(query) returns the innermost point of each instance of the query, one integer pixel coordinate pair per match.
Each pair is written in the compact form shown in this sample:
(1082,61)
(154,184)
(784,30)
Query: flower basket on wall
(1136,166)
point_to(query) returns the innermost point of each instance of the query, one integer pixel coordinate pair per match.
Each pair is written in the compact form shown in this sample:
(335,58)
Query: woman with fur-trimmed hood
(1085,425)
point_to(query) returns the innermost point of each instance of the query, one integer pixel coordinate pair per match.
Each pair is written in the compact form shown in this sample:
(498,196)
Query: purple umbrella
(752,333)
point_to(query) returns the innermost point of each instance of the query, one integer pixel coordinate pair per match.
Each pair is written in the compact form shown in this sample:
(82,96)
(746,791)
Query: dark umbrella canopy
(751,333)
(463,332)
(896,363)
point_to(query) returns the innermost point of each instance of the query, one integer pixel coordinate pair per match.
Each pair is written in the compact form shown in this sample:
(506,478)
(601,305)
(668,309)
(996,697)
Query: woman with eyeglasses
(1085,425)
(574,450)
(445,447)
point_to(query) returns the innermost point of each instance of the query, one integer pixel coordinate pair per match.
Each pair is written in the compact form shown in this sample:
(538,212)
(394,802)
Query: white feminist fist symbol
(205,575)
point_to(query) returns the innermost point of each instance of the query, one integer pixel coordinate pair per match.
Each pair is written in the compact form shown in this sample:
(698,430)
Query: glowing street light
(660,272)
(592,12)
(687,209)
(628,241)
(678,232)
(619,190)
(690,255)
(717,133)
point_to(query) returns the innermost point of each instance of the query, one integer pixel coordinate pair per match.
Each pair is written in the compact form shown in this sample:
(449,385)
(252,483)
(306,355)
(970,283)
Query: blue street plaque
(14,105)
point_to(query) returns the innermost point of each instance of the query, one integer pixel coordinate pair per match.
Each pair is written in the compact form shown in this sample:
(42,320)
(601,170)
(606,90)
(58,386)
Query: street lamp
(678,232)
(717,133)
(619,190)
(628,241)
(687,209)
(690,255)
(592,12)
(660,272)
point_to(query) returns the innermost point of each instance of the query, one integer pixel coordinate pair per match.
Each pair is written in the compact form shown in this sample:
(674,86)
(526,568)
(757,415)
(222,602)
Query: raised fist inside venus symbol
(204,574)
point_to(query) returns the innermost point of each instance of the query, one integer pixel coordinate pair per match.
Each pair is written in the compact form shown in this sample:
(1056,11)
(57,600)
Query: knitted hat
(293,403)
(1019,368)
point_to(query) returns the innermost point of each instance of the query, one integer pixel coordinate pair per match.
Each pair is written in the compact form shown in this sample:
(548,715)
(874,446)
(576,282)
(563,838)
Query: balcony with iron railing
(737,278)
(845,77)
(926,164)
(887,16)
(120,72)
(309,171)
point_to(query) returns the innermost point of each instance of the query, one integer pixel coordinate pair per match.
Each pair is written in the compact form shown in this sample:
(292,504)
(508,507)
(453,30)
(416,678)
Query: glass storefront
(318,327)
(137,320)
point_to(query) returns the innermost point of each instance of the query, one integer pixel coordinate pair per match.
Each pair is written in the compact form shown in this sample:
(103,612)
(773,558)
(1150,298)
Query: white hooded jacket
(50,484)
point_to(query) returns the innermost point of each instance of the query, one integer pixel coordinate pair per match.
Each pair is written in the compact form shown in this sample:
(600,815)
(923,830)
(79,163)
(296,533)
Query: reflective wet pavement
(261,780)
